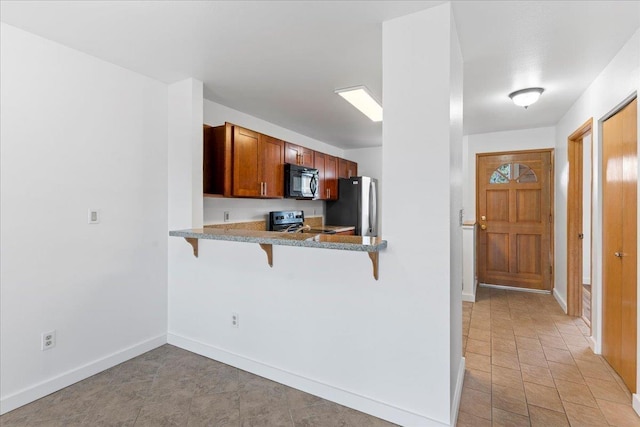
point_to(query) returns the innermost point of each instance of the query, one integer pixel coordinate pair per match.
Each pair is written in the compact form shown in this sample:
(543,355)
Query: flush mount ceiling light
(526,97)
(361,98)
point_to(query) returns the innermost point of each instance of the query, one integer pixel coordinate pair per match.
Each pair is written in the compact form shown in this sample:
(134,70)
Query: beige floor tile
(554,341)
(503,418)
(542,417)
(608,390)
(504,359)
(506,377)
(525,331)
(537,375)
(558,355)
(509,399)
(532,357)
(575,340)
(507,345)
(479,334)
(479,347)
(501,332)
(584,416)
(542,396)
(525,343)
(476,403)
(618,414)
(560,371)
(478,380)
(594,369)
(568,329)
(468,420)
(575,393)
(478,362)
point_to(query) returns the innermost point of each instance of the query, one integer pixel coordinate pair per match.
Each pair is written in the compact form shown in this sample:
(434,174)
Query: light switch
(94,216)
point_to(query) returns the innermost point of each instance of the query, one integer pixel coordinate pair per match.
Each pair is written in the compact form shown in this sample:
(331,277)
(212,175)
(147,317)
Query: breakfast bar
(266,240)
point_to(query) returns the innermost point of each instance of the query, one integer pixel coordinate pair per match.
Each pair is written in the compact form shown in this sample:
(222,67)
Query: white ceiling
(282,60)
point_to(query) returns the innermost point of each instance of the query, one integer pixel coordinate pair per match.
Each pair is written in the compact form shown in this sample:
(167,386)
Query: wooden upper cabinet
(272,167)
(246,163)
(327,176)
(347,168)
(239,162)
(298,155)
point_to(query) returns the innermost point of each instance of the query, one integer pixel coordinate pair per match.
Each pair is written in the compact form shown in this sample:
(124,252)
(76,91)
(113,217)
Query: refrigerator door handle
(373,209)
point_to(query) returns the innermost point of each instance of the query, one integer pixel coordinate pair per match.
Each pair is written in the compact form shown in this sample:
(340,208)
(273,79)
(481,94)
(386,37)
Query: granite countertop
(310,240)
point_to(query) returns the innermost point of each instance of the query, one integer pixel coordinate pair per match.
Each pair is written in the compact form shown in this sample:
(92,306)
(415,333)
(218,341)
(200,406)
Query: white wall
(527,139)
(367,344)
(619,80)
(420,95)
(455,218)
(77,133)
(251,209)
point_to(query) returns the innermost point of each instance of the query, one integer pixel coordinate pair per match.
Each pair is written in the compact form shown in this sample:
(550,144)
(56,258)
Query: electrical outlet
(94,216)
(48,340)
(235,320)
(226,216)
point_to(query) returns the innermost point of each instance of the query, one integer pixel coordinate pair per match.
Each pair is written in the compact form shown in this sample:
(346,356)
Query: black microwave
(300,182)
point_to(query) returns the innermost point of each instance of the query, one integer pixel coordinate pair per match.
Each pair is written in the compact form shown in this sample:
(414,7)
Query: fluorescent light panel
(360,98)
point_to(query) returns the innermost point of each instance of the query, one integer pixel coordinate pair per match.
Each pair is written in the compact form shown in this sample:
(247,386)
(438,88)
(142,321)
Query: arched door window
(508,172)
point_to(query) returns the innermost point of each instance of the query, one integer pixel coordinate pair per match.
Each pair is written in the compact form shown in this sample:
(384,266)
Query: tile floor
(529,364)
(173,387)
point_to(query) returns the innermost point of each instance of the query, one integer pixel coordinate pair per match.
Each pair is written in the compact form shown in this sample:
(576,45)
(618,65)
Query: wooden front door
(619,241)
(514,214)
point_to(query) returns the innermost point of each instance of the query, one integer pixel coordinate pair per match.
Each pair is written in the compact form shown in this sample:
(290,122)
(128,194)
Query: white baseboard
(455,405)
(635,401)
(37,391)
(468,297)
(560,300)
(343,397)
(592,344)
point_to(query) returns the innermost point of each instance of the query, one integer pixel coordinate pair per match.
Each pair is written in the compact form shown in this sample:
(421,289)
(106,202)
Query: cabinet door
(298,155)
(320,164)
(308,157)
(343,168)
(352,169)
(331,177)
(272,167)
(291,153)
(246,163)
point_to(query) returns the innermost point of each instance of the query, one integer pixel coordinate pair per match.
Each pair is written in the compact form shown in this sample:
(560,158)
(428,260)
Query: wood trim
(574,217)
(228,158)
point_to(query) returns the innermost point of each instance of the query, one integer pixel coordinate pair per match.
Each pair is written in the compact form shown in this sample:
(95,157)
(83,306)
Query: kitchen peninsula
(266,240)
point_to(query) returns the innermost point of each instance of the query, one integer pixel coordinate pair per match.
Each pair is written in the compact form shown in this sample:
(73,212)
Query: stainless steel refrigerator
(357,205)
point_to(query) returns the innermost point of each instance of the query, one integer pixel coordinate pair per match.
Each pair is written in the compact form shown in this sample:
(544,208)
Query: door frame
(552,196)
(574,217)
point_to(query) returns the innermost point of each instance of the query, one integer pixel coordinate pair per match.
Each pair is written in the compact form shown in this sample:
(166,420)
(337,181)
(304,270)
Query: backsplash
(244,210)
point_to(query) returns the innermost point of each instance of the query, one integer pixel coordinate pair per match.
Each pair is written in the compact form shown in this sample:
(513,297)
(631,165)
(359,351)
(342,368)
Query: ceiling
(282,60)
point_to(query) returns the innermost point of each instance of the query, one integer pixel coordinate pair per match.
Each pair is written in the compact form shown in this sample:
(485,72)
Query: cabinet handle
(265,189)
(302,156)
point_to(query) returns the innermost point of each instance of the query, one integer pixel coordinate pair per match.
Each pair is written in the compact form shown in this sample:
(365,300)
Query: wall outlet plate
(226,216)
(93,216)
(235,320)
(48,340)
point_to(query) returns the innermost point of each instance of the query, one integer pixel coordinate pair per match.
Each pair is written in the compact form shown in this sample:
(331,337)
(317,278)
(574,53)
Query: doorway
(579,211)
(619,241)
(515,212)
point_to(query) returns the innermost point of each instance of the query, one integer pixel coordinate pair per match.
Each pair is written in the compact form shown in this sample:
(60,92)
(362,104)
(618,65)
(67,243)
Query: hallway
(527,363)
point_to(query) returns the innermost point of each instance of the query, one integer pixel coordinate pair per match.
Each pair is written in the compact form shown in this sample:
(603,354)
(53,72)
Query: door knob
(483,227)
